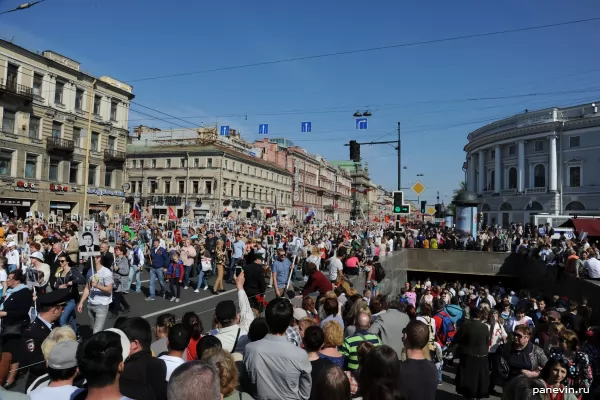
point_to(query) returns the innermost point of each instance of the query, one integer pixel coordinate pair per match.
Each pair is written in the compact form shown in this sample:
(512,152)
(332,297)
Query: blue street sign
(263,129)
(306,127)
(361,123)
(224,130)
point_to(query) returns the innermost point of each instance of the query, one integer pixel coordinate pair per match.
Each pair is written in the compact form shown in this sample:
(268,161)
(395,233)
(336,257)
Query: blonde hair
(220,242)
(58,335)
(306,322)
(334,334)
(223,361)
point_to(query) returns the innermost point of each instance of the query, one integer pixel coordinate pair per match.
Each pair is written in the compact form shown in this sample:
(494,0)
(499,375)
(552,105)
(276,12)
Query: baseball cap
(125,343)
(225,311)
(63,355)
(299,313)
(38,255)
(553,315)
(12,244)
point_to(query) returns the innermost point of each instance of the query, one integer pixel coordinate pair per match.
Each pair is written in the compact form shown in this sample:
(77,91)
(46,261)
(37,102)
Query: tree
(461,187)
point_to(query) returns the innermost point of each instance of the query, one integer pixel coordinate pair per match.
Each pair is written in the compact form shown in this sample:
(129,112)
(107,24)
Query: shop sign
(26,187)
(9,202)
(58,189)
(106,192)
(166,200)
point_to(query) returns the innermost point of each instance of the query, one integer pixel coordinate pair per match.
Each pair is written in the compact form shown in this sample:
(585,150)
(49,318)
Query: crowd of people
(336,336)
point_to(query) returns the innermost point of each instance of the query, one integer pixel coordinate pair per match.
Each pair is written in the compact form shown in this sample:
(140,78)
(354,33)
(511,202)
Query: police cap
(54,298)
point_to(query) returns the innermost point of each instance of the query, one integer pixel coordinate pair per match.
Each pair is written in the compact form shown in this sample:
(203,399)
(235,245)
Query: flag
(172,214)
(309,216)
(137,212)
(127,229)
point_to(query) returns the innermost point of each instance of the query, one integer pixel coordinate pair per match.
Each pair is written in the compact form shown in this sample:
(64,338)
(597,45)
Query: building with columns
(536,162)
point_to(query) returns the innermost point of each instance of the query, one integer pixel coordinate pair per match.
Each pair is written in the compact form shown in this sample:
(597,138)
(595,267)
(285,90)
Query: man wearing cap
(255,280)
(50,308)
(62,370)
(12,257)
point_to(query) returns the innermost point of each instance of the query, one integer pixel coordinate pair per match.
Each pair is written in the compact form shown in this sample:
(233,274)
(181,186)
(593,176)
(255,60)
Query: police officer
(50,307)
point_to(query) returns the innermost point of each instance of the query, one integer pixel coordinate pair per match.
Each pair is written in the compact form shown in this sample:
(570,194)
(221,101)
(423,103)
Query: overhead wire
(370,49)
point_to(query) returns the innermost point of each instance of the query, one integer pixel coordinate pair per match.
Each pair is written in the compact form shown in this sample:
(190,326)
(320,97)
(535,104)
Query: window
(58,93)
(141,163)
(9,121)
(208,186)
(133,163)
(38,80)
(92,175)
(182,163)
(111,143)
(196,163)
(512,150)
(240,191)
(539,176)
(56,129)
(492,182)
(254,171)
(108,177)
(538,145)
(181,186)
(167,186)
(34,127)
(168,163)
(226,166)
(5,162)
(31,165)
(574,141)
(493,154)
(113,110)
(209,163)
(574,176)
(153,163)
(97,104)
(53,170)
(79,99)
(254,193)
(233,165)
(512,178)
(232,189)
(153,186)
(95,141)
(195,187)
(77,137)
(74,172)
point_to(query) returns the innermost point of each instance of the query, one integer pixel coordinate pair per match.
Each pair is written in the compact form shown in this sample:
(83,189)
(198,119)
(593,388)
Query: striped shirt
(350,347)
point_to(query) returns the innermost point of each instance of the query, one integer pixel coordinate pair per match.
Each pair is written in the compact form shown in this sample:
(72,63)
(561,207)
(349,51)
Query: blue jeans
(133,272)
(158,274)
(68,315)
(439,374)
(231,272)
(202,282)
(186,274)
(12,268)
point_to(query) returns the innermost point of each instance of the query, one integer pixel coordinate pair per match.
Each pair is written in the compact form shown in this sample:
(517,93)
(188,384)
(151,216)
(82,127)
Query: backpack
(431,342)
(136,258)
(447,330)
(379,272)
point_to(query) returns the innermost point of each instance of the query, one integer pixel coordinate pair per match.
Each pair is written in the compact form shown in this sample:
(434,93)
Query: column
(521,166)
(471,173)
(498,169)
(481,180)
(553,167)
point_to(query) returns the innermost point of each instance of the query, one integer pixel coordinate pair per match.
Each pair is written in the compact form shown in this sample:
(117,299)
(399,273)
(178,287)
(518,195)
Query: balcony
(114,156)
(24,92)
(60,144)
(535,190)
(509,192)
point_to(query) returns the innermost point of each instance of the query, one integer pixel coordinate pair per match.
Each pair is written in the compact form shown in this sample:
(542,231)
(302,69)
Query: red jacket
(317,282)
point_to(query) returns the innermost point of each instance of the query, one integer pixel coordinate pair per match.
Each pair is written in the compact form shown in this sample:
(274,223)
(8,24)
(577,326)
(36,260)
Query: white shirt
(172,363)
(12,257)
(334,265)
(105,278)
(593,267)
(55,393)
(227,335)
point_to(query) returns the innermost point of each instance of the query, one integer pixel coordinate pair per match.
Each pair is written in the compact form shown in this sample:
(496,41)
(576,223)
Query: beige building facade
(200,176)
(45,104)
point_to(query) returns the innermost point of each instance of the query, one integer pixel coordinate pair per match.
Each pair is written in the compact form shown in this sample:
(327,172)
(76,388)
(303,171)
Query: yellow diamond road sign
(418,188)
(431,210)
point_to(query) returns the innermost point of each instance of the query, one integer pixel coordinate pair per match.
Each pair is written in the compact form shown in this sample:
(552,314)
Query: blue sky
(423,86)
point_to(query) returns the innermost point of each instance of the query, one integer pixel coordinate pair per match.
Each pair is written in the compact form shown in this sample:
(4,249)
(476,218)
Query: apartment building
(45,104)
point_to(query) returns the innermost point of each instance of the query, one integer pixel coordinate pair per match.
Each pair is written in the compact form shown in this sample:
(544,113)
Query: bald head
(194,380)
(364,321)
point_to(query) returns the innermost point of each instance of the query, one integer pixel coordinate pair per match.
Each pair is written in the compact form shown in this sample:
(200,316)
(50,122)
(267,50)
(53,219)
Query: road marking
(165,310)
(80,293)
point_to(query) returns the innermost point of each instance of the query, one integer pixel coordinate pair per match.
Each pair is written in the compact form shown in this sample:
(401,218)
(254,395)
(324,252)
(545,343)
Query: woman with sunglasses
(70,278)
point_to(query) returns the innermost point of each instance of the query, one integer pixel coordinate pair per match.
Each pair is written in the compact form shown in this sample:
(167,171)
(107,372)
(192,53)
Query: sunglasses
(62,261)
(519,336)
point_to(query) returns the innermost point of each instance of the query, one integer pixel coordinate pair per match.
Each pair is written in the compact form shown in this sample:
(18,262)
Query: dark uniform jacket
(30,354)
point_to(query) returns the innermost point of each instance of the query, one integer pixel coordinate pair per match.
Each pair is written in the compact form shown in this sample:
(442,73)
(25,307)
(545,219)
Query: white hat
(125,343)
(461,293)
(12,244)
(37,255)
(299,313)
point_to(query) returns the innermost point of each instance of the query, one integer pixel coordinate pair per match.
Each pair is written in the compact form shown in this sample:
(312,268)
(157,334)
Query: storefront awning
(589,225)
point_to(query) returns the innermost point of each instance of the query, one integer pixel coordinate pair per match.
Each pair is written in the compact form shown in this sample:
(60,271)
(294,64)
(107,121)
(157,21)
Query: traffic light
(398,206)
(423,205)
(354,151)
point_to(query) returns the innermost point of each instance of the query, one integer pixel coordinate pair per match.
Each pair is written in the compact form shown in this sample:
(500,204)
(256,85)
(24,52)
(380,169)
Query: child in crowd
(175,275)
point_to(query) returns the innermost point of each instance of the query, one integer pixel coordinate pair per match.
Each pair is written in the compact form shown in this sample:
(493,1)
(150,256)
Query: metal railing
(114,155)
(16,88)
(56,143)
